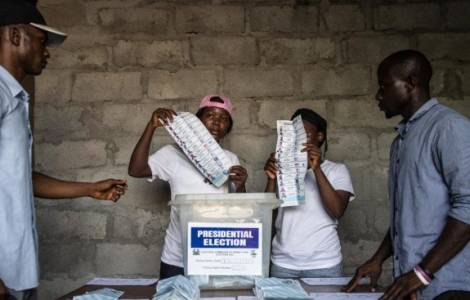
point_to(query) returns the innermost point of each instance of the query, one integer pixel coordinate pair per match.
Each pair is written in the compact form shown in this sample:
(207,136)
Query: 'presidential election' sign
(225,248)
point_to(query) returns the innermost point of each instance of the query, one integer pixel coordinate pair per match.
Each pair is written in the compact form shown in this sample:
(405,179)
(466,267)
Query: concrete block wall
(124,59)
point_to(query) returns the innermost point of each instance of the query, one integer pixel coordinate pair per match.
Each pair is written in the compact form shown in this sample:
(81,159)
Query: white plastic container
(226,237)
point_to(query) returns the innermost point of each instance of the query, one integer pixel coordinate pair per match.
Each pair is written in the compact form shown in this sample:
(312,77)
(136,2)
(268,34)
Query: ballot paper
(200,147)
(277,288)
(121,281)
(292,163)
(345,296)
(333,281)
(218,298)
(101,294)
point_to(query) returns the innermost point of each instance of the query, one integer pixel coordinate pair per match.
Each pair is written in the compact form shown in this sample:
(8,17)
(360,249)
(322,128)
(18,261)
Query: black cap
(312,117)
(315,119)
(14,12)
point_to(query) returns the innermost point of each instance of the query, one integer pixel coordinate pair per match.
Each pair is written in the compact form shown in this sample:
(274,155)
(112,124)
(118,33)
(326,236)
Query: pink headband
(227,104)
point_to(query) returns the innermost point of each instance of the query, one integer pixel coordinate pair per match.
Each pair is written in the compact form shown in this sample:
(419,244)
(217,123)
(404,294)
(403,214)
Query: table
(146,292)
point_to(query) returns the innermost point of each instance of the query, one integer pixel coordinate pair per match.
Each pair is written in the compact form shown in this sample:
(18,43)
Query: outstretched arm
(48,187)
(138,165)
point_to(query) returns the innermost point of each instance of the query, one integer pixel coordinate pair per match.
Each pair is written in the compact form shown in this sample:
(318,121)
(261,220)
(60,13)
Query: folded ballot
(292,163)
(200,147)
(101,294)
(177,288)
(279,289)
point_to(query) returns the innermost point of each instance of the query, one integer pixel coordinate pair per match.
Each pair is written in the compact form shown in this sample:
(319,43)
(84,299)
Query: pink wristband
(424,273)
(421,276)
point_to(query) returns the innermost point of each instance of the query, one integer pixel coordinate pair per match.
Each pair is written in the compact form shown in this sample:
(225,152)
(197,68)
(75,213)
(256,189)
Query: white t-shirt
(306,236)
(171,164)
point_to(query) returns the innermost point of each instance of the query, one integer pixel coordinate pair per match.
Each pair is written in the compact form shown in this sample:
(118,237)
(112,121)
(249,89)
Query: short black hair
(406,63)
(201,111)
(315,119)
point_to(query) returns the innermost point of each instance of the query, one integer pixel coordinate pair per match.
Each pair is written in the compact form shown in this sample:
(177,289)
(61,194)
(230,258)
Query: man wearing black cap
(24,37)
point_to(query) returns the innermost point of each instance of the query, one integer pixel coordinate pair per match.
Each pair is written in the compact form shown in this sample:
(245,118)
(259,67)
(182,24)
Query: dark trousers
(167,270)
(454,295)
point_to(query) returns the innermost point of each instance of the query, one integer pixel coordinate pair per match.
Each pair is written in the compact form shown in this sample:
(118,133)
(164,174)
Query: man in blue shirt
(24,37)
(429,186)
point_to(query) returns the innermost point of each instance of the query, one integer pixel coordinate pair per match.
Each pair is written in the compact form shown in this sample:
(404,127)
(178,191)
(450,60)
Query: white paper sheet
(345,296)
(122,281)
(200,147)
(217,298)
(333,281)
(291,162)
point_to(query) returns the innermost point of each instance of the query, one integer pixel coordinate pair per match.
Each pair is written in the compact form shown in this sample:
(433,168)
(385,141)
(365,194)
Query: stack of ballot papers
(292,163)
(345,296)
(101,294)
(279,289)
(200,147)
(177,288)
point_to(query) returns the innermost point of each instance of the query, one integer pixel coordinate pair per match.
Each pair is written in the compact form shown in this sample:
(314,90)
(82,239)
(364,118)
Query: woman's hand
(162,116)
(313,155)
(238,175)
(270,168)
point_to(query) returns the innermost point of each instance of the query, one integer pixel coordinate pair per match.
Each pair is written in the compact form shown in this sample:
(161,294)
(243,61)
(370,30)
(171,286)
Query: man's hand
(109,189)
(3,291)
(238,175)
(162,116)
(314,155)
(372,269)
(270,168)
(404,286)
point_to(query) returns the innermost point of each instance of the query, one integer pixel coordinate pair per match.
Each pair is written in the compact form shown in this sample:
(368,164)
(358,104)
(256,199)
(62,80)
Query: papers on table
(291,162)
(122,281)
(345,296)
(333,281)
(219,298)
(101,294)
(200,147)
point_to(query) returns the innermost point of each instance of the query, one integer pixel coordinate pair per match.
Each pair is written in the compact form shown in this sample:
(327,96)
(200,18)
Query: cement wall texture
(125,58)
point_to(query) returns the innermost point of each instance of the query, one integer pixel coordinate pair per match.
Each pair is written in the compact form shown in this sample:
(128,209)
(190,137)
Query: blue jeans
(22,295)
(280,272)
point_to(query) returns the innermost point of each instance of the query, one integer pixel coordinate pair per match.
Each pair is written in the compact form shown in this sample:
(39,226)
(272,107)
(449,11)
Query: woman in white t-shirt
(170,164)
(306,242)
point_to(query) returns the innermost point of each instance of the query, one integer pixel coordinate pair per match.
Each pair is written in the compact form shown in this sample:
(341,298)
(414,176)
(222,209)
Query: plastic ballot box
(226,237)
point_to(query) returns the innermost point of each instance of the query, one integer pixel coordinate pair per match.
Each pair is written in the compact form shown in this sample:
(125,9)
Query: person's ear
(411,83)
(321,137)
(14,34)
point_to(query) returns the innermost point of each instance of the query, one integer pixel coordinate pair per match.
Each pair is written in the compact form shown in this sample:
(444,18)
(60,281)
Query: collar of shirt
(16,89)
(403,127)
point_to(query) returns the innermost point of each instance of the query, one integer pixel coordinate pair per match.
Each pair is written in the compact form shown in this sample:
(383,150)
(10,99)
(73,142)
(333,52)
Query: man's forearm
(52,188)
(454,237)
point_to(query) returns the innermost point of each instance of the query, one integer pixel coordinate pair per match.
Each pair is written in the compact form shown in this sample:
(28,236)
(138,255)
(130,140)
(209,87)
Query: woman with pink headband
(170,164)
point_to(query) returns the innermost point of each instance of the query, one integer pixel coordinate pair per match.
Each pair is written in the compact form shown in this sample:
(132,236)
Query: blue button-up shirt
(429,181)
(18,238)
